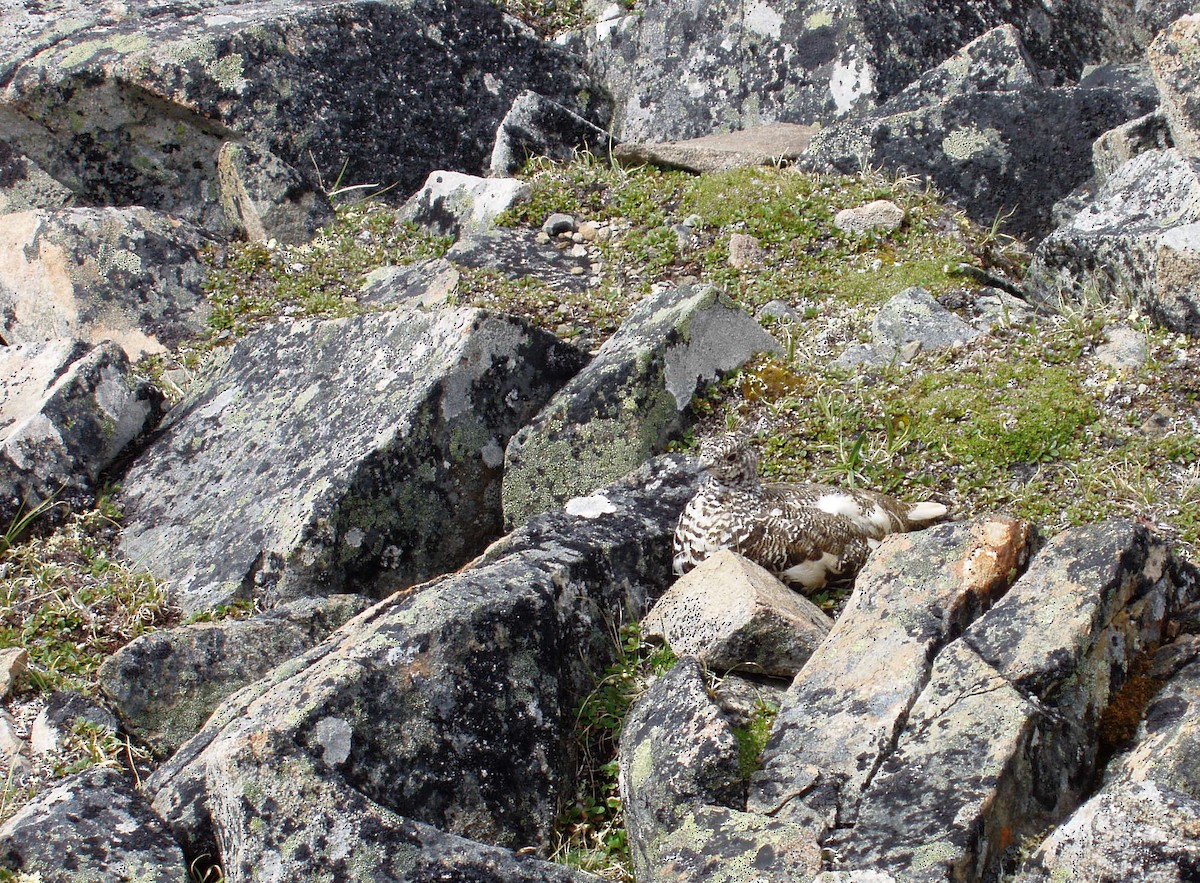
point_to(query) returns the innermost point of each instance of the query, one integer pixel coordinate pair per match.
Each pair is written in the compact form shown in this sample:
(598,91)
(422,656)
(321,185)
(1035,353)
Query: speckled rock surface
(732,614)
(326,452)
(843,711)
(754,146)
(977,145)
(422,285)
(1004,737)
(371,91)
(450,705)
(164,685)
(450,203)
(128,275)
(24,185)
(93,826)
(264,198)
(678,751)
(687,70)
(1119,145)
(630,400)
(911,322)
(67,411)
(1113,248)
(537,126)
(1173,61)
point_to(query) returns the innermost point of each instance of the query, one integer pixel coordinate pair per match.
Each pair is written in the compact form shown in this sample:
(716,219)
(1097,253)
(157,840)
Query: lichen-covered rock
(518,254)
(1113,247)
(450,705)
(537,126)
(451,203)
(421,285)
(978,147)
(910,322)
(24,186)
(66,412)
(1119,145)
(686,70)
(754,146)
(842,712)
(128,275)
(630,400)
(264,198)
(365,91)
(880,215)
(730,613)
(164,685)
(1142,824)
(323,452)
(63,712)
(1172,58)
(1004,737)
(678,751)
(93,826)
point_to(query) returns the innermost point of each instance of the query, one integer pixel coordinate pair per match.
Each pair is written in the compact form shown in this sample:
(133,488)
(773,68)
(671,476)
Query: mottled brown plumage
(806,534)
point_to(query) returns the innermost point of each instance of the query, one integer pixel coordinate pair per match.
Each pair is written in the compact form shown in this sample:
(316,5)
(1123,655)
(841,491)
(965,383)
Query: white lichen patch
(227,72)
(820,19)
(590,507)
(969,142)
(334,736)
(83,52)
(759,18)
(852,78)
(109,258)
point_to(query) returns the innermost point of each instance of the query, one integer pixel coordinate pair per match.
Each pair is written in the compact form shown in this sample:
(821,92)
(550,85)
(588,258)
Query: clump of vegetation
(591,829)
(752,738)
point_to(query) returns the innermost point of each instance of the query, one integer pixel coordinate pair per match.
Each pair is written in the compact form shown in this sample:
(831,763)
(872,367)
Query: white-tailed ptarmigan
(806,534)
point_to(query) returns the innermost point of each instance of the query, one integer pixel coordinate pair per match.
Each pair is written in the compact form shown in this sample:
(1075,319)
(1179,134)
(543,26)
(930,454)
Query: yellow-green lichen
(969,142)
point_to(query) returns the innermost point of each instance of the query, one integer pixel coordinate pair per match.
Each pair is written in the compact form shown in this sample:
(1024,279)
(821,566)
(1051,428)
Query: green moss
(752,738)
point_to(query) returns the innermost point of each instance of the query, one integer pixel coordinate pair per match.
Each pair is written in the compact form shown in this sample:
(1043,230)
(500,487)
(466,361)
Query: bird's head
(730,461)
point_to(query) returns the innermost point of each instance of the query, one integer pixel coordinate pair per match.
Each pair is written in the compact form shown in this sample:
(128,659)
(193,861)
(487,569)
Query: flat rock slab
(128,275)
(1138,240)
(325,453)
(366,92)
(451,705)
(518,254)
(732,614)
(106,827)
(67,410)
(755,146)
(631,399)
(1003,739)
(164,685)
(843,711)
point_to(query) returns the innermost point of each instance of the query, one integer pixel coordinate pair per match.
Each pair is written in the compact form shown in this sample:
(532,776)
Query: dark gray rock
(325,452)
(684,71)
(64,711)
(452,204)
(128,275)
(93,826)
(264,198)
(164,685)
(537,126)
(978,148)
(367,91)
(516,253)
(450,705)
(630,400)
(67,411)
(1137,241)
(1004,738)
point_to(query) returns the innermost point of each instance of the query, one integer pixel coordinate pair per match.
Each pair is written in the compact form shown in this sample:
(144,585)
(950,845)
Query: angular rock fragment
(324,452)
(451,203)
(423,285)
(1004,737)
(537,126)
(844,710)
(968,132)
(1137,241)
(1172,58)
(102,823)
(730,613)
(450,706)
(128,275)
(753,146)
(164,685)
(910,322)
(264,198)
(1119,145)
(66,412)
(24,186)
(630,400)
(364,92)
(517,254)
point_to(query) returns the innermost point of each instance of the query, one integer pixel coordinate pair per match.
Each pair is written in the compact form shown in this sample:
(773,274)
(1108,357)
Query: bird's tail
(919,513)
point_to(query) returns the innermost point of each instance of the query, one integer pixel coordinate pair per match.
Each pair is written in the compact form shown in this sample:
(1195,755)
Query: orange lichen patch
(1127,707)
(1000,551)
